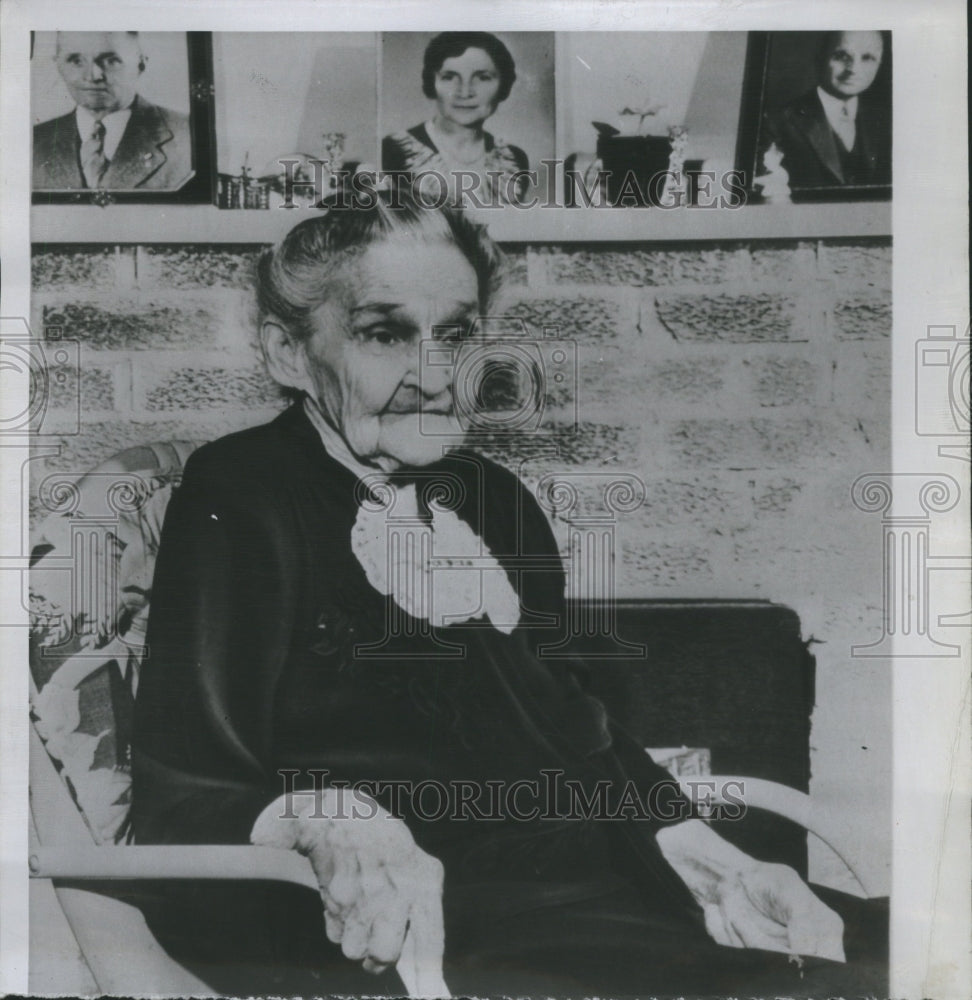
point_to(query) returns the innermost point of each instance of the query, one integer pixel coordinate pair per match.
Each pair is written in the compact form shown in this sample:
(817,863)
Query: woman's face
(466,88)
(363,358)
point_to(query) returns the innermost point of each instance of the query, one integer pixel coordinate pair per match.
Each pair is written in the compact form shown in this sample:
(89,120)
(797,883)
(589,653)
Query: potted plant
(637,166)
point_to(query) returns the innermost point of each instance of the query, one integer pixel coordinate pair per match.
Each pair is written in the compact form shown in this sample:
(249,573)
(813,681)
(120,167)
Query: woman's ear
(284,355)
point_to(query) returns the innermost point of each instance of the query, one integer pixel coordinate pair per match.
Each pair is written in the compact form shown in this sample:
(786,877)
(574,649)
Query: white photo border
(930,913)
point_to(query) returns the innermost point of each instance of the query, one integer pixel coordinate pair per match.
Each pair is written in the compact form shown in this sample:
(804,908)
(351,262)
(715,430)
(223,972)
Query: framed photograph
(815,122)
(471,108)
(122,116)
(412,599)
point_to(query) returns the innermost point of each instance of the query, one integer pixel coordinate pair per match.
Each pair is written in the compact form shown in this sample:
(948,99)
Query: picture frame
(782,114)
(151,176)
(522,124)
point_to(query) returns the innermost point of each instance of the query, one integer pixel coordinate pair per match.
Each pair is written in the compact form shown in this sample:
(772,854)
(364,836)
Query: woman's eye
(384,335)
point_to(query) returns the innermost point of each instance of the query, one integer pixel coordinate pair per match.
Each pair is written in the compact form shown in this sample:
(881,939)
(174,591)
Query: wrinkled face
(852,63)
(466,88)
(363,356)
(101,69)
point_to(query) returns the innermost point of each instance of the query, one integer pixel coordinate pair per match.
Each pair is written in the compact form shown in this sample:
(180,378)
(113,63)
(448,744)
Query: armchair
(92,565)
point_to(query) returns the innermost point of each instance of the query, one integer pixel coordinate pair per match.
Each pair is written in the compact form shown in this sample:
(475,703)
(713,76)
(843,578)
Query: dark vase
(635,168)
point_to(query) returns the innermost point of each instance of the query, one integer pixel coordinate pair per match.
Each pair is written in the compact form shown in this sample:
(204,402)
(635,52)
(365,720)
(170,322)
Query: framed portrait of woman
(122,116)
(472,114)
(815,121)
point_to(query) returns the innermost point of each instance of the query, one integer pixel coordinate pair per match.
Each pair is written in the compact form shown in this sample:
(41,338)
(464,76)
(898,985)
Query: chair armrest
(172,862)
(421,974)
(781,800)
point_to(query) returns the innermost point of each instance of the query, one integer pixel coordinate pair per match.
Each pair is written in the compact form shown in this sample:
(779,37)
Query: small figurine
(676,183)
(333,157)
(774,183)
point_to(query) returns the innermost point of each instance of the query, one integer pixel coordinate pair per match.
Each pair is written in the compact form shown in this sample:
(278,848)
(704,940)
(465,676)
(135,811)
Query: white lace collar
(436,568)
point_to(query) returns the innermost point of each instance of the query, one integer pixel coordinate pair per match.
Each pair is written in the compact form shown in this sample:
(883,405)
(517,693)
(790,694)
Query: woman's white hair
(295,277)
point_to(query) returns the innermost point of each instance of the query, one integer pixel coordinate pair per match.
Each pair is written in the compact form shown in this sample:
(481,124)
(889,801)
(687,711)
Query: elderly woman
(468,74)
(344,601)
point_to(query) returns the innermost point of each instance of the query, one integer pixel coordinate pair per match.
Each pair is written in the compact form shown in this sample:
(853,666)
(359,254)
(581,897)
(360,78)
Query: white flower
(442,572)
(58,710)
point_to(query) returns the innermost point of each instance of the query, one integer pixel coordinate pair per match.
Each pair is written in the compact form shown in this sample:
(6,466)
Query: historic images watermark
(50,367)
(549,796)
(942,390)
(84,510)
(666,189)
(32,423)
(908,503)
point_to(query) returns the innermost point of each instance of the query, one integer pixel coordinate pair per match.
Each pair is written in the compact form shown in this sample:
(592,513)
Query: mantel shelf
(206,224)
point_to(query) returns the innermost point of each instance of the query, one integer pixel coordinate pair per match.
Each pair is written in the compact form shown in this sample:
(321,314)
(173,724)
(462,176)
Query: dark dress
(260,611)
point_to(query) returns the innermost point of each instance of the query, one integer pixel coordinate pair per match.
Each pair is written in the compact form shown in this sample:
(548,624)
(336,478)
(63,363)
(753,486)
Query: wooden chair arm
(421,974)
(781,800)
(150,861)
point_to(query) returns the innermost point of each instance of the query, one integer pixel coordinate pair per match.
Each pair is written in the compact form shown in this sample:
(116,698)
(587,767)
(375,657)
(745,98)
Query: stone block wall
(746,385)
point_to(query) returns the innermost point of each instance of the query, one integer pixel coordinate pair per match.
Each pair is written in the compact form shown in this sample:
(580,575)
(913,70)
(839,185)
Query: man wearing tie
(114,139)
(835,136)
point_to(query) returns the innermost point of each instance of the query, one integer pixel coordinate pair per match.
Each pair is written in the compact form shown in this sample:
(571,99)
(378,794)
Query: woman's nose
(435,375)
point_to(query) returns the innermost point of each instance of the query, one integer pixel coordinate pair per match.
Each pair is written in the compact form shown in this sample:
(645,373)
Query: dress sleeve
(221,616)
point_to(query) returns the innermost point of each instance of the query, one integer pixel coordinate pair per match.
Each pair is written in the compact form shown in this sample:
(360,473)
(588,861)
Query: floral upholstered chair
(92,562)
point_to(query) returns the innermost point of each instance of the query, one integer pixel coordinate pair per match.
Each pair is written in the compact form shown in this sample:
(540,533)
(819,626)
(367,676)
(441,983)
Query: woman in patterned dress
(468,74)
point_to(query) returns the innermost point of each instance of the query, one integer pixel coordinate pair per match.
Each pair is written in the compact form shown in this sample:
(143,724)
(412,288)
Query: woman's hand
(376,884)
(748,904)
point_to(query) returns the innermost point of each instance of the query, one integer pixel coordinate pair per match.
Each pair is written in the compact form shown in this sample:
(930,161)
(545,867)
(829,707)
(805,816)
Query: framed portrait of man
(121,116)
(815,121)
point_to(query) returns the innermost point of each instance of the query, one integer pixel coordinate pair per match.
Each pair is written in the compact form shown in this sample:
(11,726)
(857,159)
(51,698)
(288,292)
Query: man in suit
(114,139)
(835,135)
